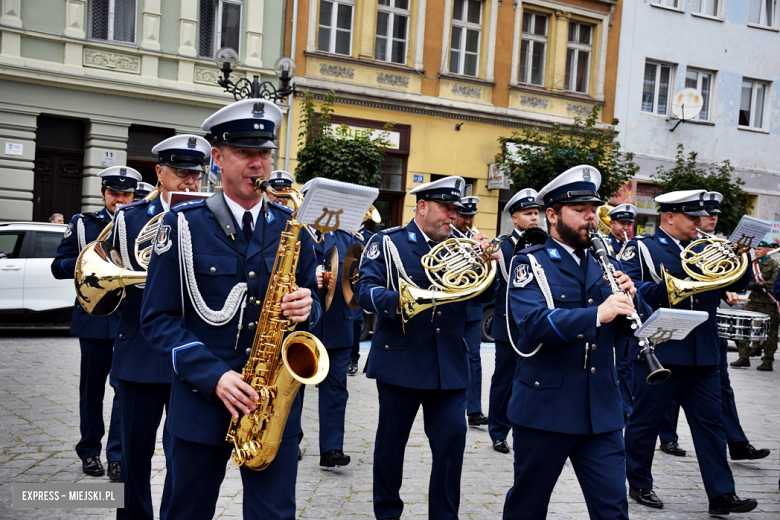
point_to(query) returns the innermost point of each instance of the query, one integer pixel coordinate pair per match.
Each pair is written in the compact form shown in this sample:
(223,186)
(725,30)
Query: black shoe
(766,366)
(501,446)
(113,471)
(646,497)
(731,503)
(334,458)
(477,419)
(740,363)
(92,466)
(746,451)
(672,448)
(755,352)
(300,454)
(352,368)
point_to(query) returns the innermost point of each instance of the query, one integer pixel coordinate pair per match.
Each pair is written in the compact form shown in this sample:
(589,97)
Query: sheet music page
(750,227)
(349,201)
(670,324)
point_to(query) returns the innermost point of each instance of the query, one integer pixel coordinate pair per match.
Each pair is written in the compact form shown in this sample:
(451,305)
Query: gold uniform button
(536,383)
(438,313)
(590,301)
(251,326)
(213,269)
(438,331)
(580,336)
(594,347)
(248,351)
(387,346)
(252,275)
(563,296)
(593,370)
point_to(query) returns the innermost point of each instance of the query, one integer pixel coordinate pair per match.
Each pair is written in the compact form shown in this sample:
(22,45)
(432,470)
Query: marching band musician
(144,378)
(96,335)
(142,190)
(525,215)
(280,180)
(565,401)
(422,363)
(363,236)
(739,446)
(335,330)
(210,268)
(472,335)
(621,225)
(695,376)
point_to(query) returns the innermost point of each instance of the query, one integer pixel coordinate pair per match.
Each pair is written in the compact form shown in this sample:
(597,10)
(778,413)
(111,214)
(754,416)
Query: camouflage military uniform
(760,300)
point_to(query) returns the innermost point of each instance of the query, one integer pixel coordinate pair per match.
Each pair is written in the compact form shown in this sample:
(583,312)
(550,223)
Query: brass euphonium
(719,265)
(457,268)
(100,275)
(277,364)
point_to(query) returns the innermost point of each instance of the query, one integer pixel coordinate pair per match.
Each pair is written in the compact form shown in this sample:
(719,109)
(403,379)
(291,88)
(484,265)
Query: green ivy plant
(685,175)
(356,159)
(541,157)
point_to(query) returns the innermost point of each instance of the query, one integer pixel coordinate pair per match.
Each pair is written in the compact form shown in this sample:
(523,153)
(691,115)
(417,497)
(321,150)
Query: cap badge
(457,183)
(258,109)
(122,171)
(191,142)
(258,126)
(586,174)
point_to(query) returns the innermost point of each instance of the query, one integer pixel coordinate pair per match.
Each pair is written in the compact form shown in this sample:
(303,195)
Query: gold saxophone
(277,365)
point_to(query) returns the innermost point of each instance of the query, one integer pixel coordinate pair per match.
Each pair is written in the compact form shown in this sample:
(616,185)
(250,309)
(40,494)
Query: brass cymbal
(349,274)
(329,277)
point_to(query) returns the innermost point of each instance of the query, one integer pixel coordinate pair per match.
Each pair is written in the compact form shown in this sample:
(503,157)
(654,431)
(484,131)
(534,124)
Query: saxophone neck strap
(219,208)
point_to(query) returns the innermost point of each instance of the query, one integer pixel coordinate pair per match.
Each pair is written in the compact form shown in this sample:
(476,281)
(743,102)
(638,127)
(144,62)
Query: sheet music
(753,230)
(670,324)
(349,201)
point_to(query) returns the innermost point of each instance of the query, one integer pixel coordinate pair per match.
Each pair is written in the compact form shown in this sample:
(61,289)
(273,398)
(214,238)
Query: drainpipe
(290,102)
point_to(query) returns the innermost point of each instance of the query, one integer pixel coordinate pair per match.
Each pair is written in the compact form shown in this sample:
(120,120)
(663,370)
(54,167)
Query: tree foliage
(356,159)
(539,158)
(685,175)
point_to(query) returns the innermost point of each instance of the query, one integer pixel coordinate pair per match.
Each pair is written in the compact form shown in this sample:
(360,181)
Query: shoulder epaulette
(95,215)
(282,207)
(641,237)
(134,204)
(188,204)
(390,230)
(531,249)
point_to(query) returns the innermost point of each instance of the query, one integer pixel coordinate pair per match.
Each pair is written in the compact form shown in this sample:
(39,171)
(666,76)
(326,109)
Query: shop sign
(417,178)
(497,178)
(774,233)
(351,132)
(645,202)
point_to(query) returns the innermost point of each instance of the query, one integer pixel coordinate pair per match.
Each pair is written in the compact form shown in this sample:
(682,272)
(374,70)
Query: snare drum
(741,325)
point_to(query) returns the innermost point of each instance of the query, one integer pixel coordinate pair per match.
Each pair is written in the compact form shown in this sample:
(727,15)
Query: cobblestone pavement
(39,429)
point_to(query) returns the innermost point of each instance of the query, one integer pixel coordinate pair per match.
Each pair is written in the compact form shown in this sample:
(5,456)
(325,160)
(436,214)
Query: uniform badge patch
(663,240)
(554,253)
(150,211)
(269,217)
(523,275)
(163,241)
(412,236)
(69,231)
(629,253)
(373,251)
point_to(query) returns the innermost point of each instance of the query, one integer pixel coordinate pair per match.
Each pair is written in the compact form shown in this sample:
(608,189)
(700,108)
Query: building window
(532,49)
(466,30)
(762,12)
(112,20)
(701,81)
(706,7)
(578,52)
(392,28)
(220,26)
(751,105)
(674,4)
(335,36)
(655,92)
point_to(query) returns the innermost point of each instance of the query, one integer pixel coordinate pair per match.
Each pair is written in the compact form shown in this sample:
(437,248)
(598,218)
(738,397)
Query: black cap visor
(124,188)
(467,212)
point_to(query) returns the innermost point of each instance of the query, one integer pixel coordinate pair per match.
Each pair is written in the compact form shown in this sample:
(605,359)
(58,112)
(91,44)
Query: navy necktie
(685,243)
(431,243)
(247,225)
(582,255)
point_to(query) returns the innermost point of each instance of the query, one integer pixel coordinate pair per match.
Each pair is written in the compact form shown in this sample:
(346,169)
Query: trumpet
(656,372)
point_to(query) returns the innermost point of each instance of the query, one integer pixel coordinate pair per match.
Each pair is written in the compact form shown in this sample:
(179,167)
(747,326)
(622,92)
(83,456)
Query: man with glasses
(144,377)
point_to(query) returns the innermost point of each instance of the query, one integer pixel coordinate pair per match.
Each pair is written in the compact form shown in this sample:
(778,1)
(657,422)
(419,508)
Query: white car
(29,293)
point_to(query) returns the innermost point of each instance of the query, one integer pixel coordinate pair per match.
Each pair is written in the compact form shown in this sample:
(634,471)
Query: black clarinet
(656,372)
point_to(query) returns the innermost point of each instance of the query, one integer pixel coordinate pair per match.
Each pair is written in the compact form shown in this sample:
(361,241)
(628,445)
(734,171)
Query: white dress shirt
(238,211)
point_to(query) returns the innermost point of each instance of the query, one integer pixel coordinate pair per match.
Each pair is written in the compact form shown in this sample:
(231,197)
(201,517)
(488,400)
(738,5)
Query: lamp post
(284,68)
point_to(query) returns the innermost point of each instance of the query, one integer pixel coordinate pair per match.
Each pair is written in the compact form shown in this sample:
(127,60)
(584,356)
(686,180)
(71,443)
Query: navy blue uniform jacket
(200,353)
(84,325)
(701,347)
(431,353)
(557,389)
(499,331)
(134,358)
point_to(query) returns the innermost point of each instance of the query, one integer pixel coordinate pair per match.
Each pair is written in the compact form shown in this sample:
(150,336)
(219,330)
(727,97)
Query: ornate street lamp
(284,68)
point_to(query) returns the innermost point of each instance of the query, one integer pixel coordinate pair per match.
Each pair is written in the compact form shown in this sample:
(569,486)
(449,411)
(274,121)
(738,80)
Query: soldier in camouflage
(761,300)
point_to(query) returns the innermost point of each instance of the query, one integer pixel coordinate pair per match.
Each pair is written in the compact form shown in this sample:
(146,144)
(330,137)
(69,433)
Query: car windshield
(11,244)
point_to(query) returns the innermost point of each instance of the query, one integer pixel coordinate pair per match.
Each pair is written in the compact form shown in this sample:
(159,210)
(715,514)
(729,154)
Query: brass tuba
(277,365)
(457,268)
(719,265)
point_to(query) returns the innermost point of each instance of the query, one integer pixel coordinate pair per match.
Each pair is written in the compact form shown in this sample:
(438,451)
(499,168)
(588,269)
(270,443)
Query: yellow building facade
(453,76)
